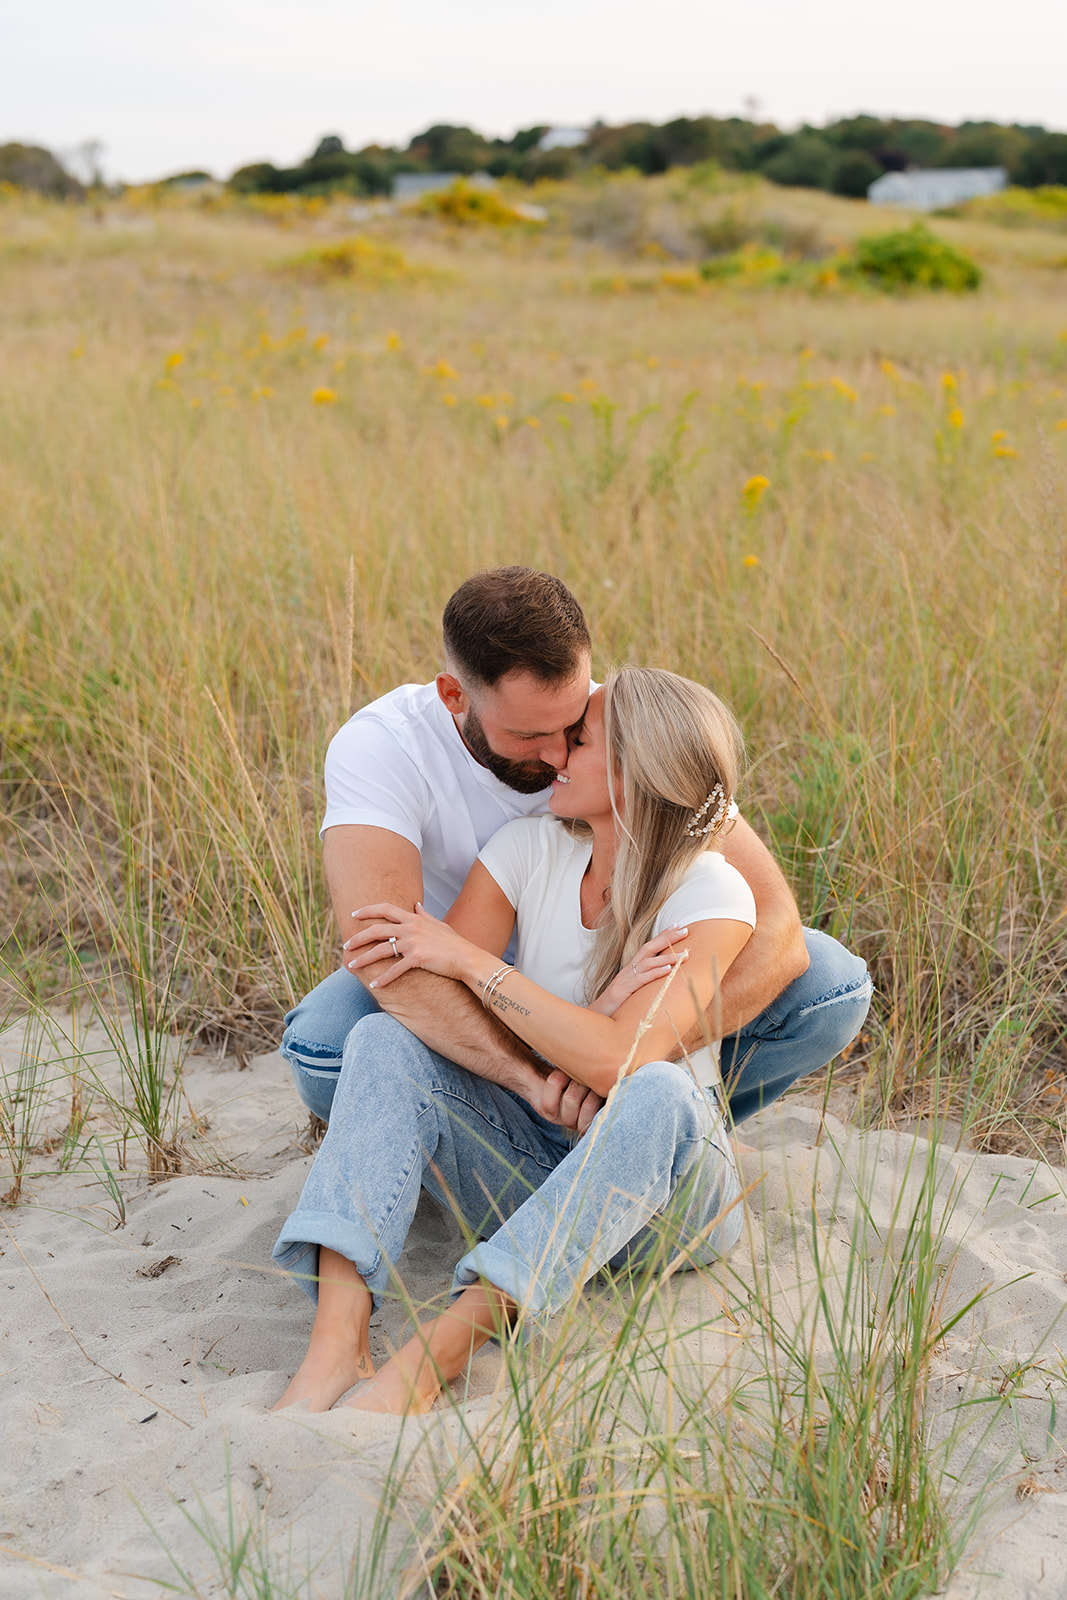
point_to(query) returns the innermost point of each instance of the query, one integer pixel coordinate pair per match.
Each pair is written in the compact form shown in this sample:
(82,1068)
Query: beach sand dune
(140,1361)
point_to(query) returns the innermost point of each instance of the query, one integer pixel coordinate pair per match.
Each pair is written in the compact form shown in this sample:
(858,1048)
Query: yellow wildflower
(589,385)
(175,359)
(442,370)
(888,411)
(1001,433)
(1061,426)
(263,392)
(323,396)
(754,490)
(955,418)
(653,361)
(566,397)
(487,401)
(320,341)
(948,382)
(392,341)
(78,351)
(532,422)
(890,369)
(819,455)
(503,422)
(751,561)
(845,390)
(449,399)
(1004,451)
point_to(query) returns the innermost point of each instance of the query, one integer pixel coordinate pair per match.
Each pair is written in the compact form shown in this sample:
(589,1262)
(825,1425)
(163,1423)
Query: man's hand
(564,1101)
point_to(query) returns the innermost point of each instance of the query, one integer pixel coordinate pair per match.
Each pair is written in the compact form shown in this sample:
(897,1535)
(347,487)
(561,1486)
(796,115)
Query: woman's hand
(409,939)
(654,960)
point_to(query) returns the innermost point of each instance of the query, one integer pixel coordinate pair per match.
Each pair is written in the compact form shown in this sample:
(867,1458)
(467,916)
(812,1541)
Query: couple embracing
(569,965)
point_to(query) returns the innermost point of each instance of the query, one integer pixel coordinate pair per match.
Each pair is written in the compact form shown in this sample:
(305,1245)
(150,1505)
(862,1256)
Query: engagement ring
(392,941)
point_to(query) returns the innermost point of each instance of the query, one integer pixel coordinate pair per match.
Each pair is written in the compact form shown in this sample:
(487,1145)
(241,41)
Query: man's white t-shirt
(400,764)
(539,866)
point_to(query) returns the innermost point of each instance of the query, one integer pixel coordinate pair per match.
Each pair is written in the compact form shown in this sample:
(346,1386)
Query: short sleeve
(711,889)
(371,780)
(512,856)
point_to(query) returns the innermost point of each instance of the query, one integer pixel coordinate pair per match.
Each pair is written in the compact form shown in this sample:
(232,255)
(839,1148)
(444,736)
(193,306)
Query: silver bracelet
(492,984)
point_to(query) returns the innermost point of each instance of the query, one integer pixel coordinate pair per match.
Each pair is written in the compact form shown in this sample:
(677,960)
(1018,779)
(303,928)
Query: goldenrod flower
(948,382)
(487,401)
(589,385)
(392,341)
(1001,433)
(890,369)
(653,361)
(502,421)
(324,397)
(955,418)
(263,392)
(175,359)
(532,422)
(443,370)
(751,561)
(819,455)
(566,397)
(320,342)
(845,390)
(1061,426)
(449,399)
(754,490)
(1004,451)
(78,351)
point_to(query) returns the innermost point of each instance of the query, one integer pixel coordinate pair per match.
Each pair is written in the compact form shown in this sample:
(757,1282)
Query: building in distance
(562,139)
(935,188)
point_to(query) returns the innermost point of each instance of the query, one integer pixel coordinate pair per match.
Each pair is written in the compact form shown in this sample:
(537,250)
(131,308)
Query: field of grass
(237,487)
(241,471)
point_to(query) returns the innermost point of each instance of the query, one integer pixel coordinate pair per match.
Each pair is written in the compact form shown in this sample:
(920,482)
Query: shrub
(369,260)
(1045,207)
(469,205)
(911,258)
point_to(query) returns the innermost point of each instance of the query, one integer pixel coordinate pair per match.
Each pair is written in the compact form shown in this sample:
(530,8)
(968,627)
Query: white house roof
(562,139)
(934,188)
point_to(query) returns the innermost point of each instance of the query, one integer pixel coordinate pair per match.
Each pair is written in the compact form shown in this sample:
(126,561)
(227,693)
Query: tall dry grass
(204,570)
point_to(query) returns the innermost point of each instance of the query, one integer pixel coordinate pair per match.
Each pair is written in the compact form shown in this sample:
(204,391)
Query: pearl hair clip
(693,829)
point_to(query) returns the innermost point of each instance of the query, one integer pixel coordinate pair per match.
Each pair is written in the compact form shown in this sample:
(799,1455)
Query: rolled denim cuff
(306,1232)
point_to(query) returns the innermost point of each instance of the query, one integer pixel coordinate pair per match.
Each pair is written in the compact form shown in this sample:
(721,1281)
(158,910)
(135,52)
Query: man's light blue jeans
(550,1213)
(807,1026)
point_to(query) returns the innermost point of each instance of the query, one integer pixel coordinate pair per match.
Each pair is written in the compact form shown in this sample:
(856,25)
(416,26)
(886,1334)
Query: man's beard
(525,777)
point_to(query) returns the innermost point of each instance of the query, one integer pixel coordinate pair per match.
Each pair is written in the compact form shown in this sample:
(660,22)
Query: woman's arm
(589,1047)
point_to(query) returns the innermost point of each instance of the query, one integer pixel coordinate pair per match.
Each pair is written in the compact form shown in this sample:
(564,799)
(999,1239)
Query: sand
(139,1359)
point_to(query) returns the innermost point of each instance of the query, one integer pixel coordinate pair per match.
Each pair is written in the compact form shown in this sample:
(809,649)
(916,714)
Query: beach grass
(236,490)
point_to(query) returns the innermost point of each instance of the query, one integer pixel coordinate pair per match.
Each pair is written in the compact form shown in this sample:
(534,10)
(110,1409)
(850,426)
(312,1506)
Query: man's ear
(450,692)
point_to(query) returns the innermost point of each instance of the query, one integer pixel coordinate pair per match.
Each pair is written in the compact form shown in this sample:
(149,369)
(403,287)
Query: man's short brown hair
(514,619)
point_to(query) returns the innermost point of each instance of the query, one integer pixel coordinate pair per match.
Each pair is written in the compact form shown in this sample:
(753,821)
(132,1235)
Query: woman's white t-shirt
(539,866)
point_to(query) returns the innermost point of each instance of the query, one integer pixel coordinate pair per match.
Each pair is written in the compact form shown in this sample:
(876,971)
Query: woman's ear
(451,694)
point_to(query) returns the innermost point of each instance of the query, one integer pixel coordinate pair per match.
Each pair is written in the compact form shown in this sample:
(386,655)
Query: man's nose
(554,751)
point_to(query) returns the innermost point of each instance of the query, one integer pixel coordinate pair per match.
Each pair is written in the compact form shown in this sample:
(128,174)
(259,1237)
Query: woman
(600,894)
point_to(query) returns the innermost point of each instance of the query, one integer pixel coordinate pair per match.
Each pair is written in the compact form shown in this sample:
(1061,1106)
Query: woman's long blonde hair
(669,742)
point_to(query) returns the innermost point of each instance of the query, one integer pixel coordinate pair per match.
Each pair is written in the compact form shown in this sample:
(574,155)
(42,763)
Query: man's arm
(365,865)
(776,953)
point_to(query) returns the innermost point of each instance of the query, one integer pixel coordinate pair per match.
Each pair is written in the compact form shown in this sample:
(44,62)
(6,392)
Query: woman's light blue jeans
(654,1171)
(808,1025)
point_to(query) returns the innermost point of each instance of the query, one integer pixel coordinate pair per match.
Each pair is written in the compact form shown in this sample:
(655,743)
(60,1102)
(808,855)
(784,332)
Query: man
(419,780)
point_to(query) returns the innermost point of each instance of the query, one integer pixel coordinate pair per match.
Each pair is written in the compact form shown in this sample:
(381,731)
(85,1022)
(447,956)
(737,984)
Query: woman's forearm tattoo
(500,1002)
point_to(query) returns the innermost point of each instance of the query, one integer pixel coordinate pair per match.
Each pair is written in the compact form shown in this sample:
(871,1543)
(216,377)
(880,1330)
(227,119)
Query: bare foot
(406,1386)
(328,1371)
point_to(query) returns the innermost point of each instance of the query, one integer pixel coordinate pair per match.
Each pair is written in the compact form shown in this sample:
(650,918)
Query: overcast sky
(217,83)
